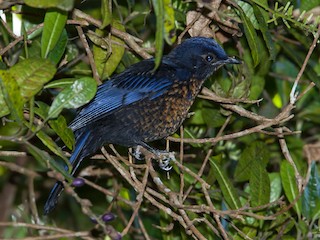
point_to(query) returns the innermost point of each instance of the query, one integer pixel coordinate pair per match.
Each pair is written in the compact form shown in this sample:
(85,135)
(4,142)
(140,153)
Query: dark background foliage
(247,157)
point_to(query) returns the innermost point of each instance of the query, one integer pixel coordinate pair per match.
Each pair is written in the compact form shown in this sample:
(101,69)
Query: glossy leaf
(47,141)
(73,96)
(159,12)
(227,189)
(60,83)
(169,22)
(212,117)
(46,160)
(259,185)
(311,195)
(275,186)
(59,125)
(54,23)
(259,12)
(65,5)
(311,112)
(250,232)
(57,52)
(283,223)
(257,86)
(106,13)
(251,37)
(241,90)
(108,60)
(248,11)
(310,4)
(31,74)
(4,110)
(11,95)
(298,58)
(289,184)
(255,153)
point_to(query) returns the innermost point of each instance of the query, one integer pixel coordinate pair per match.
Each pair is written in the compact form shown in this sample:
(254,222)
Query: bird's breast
(162,116)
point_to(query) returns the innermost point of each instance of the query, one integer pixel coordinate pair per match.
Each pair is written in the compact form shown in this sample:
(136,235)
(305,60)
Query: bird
(143,103)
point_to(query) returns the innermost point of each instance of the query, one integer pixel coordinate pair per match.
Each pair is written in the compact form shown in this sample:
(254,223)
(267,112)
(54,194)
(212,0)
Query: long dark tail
(75,160)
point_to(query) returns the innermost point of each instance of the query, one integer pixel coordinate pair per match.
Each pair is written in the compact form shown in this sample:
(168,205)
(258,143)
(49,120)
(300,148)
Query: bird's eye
(209,58)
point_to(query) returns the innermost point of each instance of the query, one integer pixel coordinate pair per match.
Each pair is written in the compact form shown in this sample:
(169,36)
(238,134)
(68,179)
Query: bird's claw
(137,154)
(164,160)
(164,157)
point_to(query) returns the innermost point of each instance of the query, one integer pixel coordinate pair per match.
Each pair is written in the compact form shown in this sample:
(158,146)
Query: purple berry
(78,182)
(107,217)
(118,237)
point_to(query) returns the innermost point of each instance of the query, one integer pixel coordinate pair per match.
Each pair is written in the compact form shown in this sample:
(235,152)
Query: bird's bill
(232,60)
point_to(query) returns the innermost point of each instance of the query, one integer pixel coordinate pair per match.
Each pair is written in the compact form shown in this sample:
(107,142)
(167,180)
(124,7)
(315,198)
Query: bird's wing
(134,84)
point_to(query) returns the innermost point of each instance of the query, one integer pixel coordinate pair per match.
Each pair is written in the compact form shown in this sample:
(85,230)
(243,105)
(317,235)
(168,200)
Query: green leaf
(73,96)
(60,83)
(106,13)
(298,57)
(259,185)
(257,86)
(65,5)
(248,11)
(31,74)
(311,195)
(289,185)
(108,60)
(308,5)
(228,191)
(242,89)
(255,152)
(275,186)
(59,125)
(259,12)
(251,37)
(57,52)
(310,112)
(169,22)
(159,12)
(11,95)
(212,117)
(47,141)
(61,128)
(46,160)
(283,223)
(54,23)
(249,232)
(4,110)
(189,134)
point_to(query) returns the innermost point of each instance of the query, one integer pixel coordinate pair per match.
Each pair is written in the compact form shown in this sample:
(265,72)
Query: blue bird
(141,104)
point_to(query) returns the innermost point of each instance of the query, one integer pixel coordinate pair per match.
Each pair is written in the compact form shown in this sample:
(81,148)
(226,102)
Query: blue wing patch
(123,90)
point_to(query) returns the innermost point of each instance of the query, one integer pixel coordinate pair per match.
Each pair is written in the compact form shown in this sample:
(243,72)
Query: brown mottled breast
(163,116)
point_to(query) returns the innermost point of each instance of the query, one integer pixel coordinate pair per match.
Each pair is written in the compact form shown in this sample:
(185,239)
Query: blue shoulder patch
(124,89)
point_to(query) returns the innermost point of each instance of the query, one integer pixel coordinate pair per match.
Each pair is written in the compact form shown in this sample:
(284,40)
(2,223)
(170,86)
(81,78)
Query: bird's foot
(137,154)
(164,157)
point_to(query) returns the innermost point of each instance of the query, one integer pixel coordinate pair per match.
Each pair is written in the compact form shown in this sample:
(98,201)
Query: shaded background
(247,157)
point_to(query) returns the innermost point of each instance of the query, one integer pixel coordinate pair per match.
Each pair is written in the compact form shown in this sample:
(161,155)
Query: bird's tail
(75,161)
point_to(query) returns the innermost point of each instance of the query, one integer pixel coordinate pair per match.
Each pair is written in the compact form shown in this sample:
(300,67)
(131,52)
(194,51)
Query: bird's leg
(137,154)
(164,156)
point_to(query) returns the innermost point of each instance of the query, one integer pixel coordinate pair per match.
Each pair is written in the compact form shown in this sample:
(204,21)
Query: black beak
(232,60)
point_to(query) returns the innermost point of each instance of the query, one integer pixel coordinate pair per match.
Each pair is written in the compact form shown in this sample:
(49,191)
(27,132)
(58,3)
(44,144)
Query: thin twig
(304,65)
(89,54)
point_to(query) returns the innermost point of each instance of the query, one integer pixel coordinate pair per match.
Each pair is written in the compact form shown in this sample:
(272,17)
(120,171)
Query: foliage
(248,165)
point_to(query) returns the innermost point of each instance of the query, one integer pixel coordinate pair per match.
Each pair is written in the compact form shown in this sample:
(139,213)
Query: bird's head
(201,55)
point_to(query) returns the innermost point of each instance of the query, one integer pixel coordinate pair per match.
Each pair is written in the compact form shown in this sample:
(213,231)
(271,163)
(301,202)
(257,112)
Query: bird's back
(139,105)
